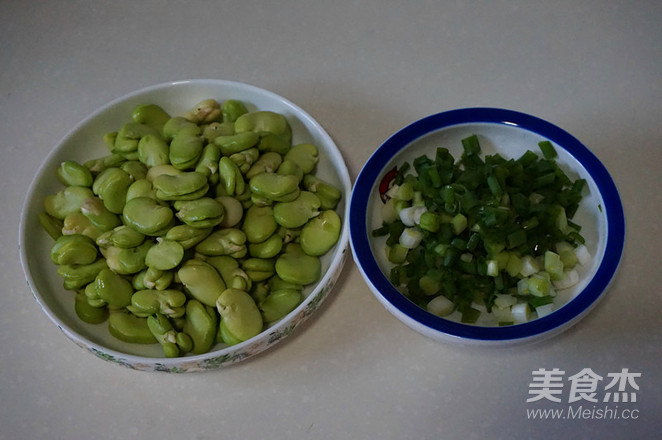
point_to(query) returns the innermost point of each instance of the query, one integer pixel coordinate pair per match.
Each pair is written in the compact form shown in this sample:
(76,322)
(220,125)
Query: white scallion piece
(441,306)
(570,278)
(521,312)
(583,255)
(410,238)
(411,216)
(529,266)
(544,310)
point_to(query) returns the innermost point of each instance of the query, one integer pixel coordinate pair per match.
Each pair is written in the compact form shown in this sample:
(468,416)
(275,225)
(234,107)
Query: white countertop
(363,70)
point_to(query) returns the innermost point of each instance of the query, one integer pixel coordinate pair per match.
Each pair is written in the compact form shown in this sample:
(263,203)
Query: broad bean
(201,280)
(259,223)
(66,201)
(295,266)
(150,114)
(320,233)
(229,241)
(240,313)
(111,186)
(77,223)
(88,313)
(74,249)
(71,173)
(128,327)
(201,326)
(167,302)
(279,303)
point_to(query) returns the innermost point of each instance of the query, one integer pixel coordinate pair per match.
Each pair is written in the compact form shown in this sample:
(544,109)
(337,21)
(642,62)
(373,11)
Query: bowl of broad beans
(486,226)
(186,226)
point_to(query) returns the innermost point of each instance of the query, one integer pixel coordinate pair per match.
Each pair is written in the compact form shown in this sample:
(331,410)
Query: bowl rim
(565,316)
(228,354)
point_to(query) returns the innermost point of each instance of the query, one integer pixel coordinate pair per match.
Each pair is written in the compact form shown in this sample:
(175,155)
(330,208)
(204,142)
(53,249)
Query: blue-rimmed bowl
(510,134)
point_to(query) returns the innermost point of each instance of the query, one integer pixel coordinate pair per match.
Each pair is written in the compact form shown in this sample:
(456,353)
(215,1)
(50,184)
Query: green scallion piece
(547,149)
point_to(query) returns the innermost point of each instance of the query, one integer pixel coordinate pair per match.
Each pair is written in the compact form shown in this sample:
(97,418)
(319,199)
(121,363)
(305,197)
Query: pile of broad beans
(193,230)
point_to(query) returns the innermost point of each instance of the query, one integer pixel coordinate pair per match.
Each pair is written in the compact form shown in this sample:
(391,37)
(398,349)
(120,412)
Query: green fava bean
(277,283)
(174,125)
(294,266)
(321,233)
(71,173)
(275,187)
(242,317)
(329,195)
(186,148)
(258,269)
(262,122)
(215,129)
(208,163)
(153,150)
(66,201)
(147,216)
(234,211)
(111,186)
(201,280)
(304,155)
(205,111)
(135,169)
(51,225)
(187,236)
(77,223)
(157,279)
(245,159)
(159,170)
(88,313)
(130,328)
(96,212)
(237,142)
(185,186)
(276,143)
(167,302)
(269,162)
(231,109)
(113,289)
(122,237)
(279,303)
(98,165)
(164,255)
(91,296)
(140,188)
(269,248)
(74,249)
(296,213)
(259,292)
(291,168)
(164,333)
(201,325)
(204,212)
(225,335)
(228,241)
(127,261)
(129,135)
(231,177)
(76,276)
(150,114)
(109,139)
(259,223)
(233,275)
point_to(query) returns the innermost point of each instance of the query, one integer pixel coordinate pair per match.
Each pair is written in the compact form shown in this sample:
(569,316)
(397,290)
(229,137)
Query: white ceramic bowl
(510,134)
(85,142)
